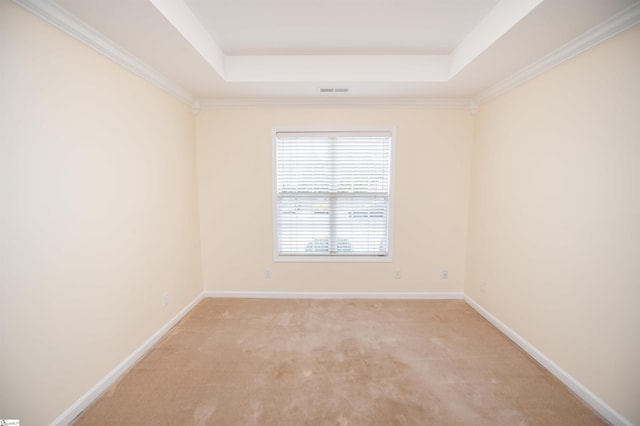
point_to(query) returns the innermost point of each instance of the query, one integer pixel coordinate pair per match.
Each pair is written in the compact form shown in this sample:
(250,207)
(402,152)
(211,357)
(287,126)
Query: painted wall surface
(555,217)
(433,149)
(98,215)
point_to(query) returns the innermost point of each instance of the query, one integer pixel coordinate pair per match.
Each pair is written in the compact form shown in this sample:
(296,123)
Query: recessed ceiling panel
(339,27)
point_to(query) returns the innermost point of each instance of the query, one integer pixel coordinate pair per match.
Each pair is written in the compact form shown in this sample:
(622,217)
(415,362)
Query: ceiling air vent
(334,90)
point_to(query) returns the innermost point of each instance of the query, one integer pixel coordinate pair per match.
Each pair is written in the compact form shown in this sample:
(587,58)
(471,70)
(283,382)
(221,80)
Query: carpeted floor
(336,362)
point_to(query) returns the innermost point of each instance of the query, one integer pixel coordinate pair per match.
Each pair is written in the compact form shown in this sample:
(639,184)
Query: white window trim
(334,258)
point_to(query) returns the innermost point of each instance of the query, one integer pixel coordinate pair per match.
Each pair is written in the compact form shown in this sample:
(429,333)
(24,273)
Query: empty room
(320,212)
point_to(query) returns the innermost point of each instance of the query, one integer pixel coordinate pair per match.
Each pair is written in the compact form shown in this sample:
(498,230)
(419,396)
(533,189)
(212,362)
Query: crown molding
(453,103)
(71,25)
(609,28)
(60,18)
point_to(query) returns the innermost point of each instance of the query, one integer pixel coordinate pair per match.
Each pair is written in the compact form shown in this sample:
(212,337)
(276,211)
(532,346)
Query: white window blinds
(333,193)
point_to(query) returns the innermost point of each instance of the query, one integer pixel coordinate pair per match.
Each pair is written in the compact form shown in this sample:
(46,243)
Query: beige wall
(555,217)
(432,179)
(98,216)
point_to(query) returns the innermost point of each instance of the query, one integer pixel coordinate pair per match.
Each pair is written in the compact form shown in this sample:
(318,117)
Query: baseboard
(580,390)
(576,387)
(333,295)
(94,393)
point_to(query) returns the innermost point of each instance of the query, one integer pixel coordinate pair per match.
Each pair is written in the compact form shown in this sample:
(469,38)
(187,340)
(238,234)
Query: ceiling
(212,50)
(338,27)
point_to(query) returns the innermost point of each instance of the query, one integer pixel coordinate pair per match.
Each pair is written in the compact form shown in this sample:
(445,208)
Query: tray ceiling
(208,50)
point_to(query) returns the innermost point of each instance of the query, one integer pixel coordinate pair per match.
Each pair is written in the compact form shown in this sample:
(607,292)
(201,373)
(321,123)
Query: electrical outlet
(267,273)
(165,299)
(444,274)
(396,274)
(483,286)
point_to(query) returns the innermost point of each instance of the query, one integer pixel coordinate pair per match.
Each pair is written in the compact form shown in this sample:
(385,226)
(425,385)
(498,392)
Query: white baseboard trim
(580,390)
(333,295)
(95,392)
(575,386)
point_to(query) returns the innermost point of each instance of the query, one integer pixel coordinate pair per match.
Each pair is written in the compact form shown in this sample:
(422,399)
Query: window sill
(333,259)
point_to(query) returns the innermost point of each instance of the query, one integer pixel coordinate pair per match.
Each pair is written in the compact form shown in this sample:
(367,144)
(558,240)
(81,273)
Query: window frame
(323,258)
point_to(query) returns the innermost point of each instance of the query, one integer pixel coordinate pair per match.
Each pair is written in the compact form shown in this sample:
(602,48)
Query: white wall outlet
(397,275)
(165,299)
(444,274)
(483,286)
(267,273)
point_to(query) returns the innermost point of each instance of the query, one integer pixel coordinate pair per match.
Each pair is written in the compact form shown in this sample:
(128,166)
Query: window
(332,195)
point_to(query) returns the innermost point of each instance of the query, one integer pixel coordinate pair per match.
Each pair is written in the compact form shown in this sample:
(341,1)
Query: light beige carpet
(336,362)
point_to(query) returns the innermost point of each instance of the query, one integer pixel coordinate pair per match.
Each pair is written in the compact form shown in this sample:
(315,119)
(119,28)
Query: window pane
(333,193)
